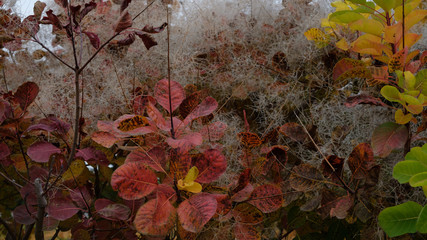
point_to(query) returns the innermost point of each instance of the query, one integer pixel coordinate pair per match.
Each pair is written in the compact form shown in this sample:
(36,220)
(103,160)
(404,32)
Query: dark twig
(169,75)
(329,164)
(28,231)
(8,229)
(56,234)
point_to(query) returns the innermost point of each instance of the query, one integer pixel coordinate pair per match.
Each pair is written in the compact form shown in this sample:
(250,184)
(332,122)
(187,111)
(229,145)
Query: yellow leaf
(366,25)
(402,118)
(340,6)
(188,184)
(410,39)
(368,44)
(342,44)
(192,174)
(414,17)
(409,6)
(320,39)
(393,33)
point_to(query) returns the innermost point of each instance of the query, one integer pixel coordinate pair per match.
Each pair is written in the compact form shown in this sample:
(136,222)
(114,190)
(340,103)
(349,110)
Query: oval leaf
(196,211)
(156,217)
(387,137)
(61,208)
(267,198)
(25,94)
(400,219)
(133,181)
(305,178)
(361,160)
(154,158)
(211,166)
(41,151)
(161,93)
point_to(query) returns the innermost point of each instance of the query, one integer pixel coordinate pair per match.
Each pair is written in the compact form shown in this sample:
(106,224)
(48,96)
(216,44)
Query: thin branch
(329,164)
(53,54)
(55,235)
(110,39)
(120,83)
(169,75)
(28,231)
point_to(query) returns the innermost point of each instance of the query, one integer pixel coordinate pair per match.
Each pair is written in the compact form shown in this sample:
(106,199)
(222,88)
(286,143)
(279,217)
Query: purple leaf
(125,21)
(151,29)
(93,38)
(93,156)
(387,137)
(148,41)
(41,151)
(25,94)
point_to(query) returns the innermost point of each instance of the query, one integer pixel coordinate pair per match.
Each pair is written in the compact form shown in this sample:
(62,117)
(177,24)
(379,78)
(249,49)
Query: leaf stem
(169,75)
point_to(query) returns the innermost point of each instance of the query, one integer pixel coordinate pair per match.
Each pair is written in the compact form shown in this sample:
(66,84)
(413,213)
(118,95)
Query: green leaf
(387,5)
(387,137)
(391,93)
(422,221)
(400,219)
(418,154)
(403,171)
(368,7)
(418,180)
(345,16)
(357,1)
(421,81)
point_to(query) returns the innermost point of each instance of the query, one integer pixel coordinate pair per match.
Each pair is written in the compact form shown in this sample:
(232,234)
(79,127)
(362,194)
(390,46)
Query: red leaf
(161,93)
(166,190)
(87,9)
(154,158)
(61,207)
(337,163)
(148,41)
(180,163)
(93,156)
(186,142)
(141,102)
(151,29)
(4,151)
(267,198)
(244,179)
(214,131)
(124,5)
(246,232)
(156,217)
(205,108)
(81,196)
(249,140)
(341,207)
(131,125)
(157,117)
(93,38)
(363,99)
(294,131)
(25,94)
(133,181)
(191,102)
(125,21)
(53,19)
(224,204)
(31,25)
(361,160)
(50,223)
(105,139)
(243,194)
(23,216)
(211,166)
(247,214)
(127,40)
(387,137)
(196,211)
(111,210)
(41,151)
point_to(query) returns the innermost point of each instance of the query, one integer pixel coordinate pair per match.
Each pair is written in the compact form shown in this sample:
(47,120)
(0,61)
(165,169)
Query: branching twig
(329,164)
(169,75)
